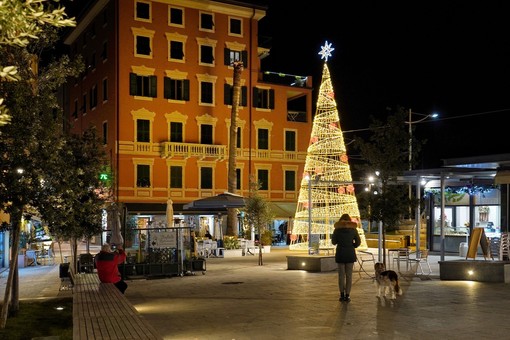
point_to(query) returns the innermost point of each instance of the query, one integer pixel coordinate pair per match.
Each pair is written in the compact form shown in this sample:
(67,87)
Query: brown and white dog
(386,282)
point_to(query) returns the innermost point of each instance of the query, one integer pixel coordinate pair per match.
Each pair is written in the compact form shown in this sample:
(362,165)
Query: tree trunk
(74,250)
(232,148)
(12,287)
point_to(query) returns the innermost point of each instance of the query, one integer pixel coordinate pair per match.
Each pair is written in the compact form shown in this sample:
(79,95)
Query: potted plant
(232,246)
(266,239)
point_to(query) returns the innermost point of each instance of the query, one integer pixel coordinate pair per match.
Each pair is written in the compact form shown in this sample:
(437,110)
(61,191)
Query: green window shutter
(255,97)
(154,88)
(271,99)
(167,83)
(226,56)
(227,94)
(244,55)
(186,89)
(244,96)
(132,84)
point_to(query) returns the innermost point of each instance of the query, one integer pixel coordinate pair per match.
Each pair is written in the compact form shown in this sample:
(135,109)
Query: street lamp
(410,122)
(376,180)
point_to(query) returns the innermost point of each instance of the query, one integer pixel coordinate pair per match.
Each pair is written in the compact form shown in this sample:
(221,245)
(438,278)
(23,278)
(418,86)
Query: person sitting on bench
(107,265)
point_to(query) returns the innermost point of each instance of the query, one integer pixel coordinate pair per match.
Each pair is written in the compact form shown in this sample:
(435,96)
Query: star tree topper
(326,51)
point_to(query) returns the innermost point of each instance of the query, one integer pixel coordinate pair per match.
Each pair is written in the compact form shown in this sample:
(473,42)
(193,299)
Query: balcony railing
(187,150)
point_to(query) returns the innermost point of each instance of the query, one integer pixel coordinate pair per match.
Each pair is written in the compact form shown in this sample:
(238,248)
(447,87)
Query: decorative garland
(471,190)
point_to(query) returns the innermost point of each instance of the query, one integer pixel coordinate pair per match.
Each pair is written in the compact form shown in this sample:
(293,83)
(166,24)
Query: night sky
(449,57)
(444,56)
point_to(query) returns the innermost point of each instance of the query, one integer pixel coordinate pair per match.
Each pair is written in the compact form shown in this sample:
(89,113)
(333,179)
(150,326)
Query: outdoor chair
(86,263)
(422,261)
(401,255)
(47,257)
(365,256)
(31,258)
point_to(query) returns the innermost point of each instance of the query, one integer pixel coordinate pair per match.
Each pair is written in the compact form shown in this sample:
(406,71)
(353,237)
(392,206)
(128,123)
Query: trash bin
(463,249)
(407,241)
(64,270)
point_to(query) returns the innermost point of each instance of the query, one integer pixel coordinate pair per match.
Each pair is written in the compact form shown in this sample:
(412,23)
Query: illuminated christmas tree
(327,175)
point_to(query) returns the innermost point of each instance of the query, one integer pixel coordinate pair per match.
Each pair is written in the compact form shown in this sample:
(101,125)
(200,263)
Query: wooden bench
(101,311)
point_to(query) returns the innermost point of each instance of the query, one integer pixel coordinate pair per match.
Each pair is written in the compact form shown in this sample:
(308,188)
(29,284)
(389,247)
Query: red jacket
(107,265)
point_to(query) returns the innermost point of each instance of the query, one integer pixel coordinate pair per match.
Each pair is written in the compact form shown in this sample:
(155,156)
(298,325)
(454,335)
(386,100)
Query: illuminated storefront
(462,212)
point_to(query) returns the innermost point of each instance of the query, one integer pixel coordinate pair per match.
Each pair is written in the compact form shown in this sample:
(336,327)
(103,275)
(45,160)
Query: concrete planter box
(265,249)
(474,270)
(232,253)
(311,263)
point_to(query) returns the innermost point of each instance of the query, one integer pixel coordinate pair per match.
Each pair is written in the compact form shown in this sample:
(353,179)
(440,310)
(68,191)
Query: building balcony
(187,150)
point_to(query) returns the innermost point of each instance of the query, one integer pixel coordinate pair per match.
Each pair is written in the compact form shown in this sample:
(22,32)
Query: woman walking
(346,239)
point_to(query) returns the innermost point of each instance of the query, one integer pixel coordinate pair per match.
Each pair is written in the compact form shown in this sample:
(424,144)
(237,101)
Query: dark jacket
(346,239)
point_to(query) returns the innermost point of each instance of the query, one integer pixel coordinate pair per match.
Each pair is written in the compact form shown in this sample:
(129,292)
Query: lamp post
(376,180)
(410,122)
(309,179)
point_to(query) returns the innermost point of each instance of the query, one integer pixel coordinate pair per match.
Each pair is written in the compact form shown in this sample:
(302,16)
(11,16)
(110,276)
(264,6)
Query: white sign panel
(166,239)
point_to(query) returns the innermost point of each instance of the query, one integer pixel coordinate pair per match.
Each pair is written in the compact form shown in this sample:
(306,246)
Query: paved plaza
(237,299)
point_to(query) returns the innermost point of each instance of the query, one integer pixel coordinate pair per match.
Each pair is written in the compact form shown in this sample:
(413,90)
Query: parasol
(114,224)
(169,213)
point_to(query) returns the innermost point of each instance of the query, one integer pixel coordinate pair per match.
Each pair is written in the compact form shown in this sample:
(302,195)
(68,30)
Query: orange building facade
(158,86)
